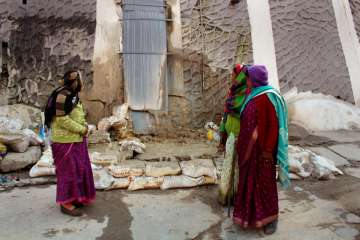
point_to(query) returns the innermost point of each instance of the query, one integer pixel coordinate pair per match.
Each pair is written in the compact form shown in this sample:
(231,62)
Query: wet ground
(309,210)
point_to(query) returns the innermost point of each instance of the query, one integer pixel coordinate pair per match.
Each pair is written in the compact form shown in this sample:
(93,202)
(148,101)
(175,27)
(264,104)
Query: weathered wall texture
(45,39)
(308,49)
(108,86)
(216,34)
(355,9)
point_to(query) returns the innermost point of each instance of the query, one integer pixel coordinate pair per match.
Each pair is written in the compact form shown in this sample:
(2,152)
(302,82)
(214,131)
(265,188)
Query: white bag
(127,168)
(103,159)
(120,183)
(198,167)
(35,140)
(160,169)
(102,179)
(138,183)
(37,171)
(17,142)
(181,181)
(46,159)
(132,144)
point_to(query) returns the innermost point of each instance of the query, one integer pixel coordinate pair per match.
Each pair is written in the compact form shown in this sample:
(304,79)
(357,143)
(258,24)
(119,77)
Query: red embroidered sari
(256,202)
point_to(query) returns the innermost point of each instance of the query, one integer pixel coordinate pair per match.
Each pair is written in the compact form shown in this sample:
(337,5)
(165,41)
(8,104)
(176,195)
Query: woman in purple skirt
(65,116)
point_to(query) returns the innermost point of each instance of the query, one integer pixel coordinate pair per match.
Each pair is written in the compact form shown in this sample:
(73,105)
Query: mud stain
(110,205)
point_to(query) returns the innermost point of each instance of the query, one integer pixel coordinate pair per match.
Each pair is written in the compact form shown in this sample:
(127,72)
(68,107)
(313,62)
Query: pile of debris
(20,146)
(118,126)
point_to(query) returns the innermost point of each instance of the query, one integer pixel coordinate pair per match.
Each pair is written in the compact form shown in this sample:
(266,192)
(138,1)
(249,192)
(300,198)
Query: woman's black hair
(66,77)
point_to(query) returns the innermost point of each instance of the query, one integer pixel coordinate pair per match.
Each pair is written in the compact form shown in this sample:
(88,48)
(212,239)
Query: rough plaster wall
(45,39)
(355,9)
(216,34)
(308,49)
(108,86)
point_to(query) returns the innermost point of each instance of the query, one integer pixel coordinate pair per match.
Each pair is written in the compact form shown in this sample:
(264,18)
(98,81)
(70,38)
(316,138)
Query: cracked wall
(45,39)
(355,10)
(308,48)
(216,34)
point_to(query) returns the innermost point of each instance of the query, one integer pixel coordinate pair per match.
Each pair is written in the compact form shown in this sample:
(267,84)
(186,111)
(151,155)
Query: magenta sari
(75,183)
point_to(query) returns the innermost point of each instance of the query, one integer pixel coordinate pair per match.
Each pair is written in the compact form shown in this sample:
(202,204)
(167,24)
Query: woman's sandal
(74,212)
(271,228)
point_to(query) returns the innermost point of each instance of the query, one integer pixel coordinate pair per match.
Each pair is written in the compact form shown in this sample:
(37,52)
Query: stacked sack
(136,175)
(19,146)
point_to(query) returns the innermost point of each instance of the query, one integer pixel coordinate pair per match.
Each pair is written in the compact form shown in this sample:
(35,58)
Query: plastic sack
(198,167)
(37,171)
(46,159)
(102,179)
(324,168)
(181,181)
(104,125)
(127,168)
(138,183)
(8,125)
(120,183)
(35,140)
(15,141)
(103,159)
(159,169)
(133,144)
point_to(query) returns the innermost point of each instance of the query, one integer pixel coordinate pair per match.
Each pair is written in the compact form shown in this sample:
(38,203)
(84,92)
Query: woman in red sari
(256,202)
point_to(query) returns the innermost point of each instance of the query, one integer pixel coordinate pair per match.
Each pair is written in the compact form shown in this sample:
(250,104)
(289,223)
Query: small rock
(17,161)
(298,189)
(352,218)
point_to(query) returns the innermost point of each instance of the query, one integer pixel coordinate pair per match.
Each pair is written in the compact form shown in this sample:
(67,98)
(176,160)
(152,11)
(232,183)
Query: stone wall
(308,48)
(216,34)
(355,9)
(45,38)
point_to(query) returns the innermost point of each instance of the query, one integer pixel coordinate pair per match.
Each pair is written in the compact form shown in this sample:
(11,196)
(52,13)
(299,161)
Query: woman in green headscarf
(229,130)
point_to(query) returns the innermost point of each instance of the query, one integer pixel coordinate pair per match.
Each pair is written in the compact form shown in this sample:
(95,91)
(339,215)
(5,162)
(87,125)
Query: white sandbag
(92,128)
(198,167)
(10,125)
(46,159)
(104,125)
(102,179)
(16,141)
(103,159)
(181,181)
(299,161)
(209,181)
(98,136)
(127,168)
(37,171)
(159,169)
(133,144)
(293,176)
(120,183)
(138,183)
(324,168)
(35,140)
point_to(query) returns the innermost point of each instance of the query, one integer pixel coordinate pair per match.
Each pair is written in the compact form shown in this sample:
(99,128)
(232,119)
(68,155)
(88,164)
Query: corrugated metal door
(145,54)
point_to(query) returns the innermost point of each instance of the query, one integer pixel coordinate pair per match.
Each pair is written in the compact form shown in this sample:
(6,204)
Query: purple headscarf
(258,75)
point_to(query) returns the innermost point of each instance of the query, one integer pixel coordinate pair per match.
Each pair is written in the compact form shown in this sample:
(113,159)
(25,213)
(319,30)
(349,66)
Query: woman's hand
(86,132)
